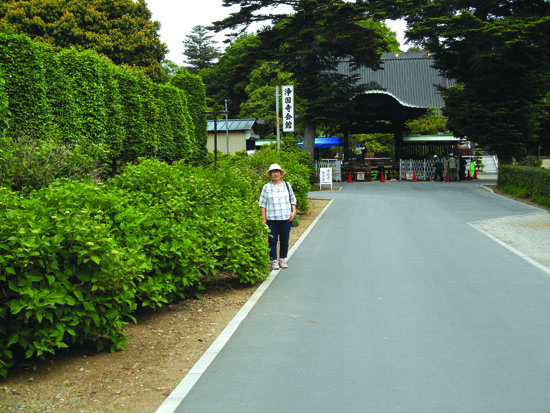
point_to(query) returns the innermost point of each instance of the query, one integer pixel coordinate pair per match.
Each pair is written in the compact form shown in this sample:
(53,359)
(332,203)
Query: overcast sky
(178,17)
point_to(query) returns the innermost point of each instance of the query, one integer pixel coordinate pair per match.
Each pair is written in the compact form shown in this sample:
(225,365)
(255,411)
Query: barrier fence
(334,164)
(424,169)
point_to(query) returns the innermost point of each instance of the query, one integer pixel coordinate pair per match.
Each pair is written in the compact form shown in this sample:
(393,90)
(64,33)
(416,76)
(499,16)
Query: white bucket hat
(274,167)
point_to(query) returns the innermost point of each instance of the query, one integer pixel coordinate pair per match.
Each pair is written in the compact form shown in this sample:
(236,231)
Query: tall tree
(498,51)
(261,96)
(309,40)
(200,50)
(119,29)
(230,77)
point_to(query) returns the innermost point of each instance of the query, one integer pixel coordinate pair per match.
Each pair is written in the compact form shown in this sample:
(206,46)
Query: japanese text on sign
(288,108)
(325,177)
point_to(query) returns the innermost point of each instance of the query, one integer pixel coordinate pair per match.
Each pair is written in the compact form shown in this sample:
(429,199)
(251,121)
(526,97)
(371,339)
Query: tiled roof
(408,76)
(232,124)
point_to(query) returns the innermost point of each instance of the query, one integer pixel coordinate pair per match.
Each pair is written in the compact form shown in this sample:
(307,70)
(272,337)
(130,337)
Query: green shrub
(64,278)
(175,125)
(73,96)
(531,161)
(27,164)
(525,182)
(77,259)
(4,101)
(22,63)
(295,162)
(195,91)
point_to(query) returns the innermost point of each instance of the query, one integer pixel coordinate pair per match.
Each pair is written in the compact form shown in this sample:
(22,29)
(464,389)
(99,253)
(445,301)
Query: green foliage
(525,182)
(77,259)
(531,161)
(200,50)
(430,124)
(74,96)
(229,79)
(27,165)
(174,125)
(4,102)
(22,64)
(122,30)
(309,42)
(497,52)
(377,143)
(296,163)
(195,93)
(86,79)
(261,97)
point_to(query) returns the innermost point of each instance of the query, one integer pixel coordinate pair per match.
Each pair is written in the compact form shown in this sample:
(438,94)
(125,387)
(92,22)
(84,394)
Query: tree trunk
(309,138)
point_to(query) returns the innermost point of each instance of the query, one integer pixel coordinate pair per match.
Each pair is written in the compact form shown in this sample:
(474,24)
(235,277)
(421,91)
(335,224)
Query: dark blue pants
(280,230)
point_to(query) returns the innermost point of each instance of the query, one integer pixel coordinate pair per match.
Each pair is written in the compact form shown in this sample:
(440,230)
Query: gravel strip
(529,234)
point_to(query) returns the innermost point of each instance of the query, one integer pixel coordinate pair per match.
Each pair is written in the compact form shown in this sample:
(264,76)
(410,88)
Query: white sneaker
(275,265)
(282,263)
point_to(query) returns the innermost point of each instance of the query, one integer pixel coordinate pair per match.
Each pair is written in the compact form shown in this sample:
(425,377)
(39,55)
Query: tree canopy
(119,29)
(309,40)
(230,76)
(200,50)
(499,54)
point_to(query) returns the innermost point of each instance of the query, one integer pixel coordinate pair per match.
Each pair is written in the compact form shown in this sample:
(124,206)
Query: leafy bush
(77,259)
(525,182)
(531,161)
(27,164)
(296,163)
(64,279)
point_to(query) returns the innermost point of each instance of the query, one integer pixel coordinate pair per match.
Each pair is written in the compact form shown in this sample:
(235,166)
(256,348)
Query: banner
(288,108)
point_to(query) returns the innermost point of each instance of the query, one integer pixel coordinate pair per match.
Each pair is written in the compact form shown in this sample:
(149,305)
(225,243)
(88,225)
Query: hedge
(525,182)
(79,95)
(195,92)
(77,259)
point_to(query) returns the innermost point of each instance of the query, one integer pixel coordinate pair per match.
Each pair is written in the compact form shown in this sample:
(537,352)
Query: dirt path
(163,347)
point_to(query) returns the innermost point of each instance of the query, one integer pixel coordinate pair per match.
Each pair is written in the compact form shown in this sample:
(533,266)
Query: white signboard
(288,108)
(325,177)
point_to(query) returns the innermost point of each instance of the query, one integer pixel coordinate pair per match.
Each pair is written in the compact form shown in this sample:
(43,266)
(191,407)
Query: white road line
(514,250)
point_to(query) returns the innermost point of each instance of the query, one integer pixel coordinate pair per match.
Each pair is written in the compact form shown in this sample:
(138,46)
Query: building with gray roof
(404,89)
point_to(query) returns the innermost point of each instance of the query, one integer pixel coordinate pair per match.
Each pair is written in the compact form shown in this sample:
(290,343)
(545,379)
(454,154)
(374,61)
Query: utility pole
(215,113)
(226,126)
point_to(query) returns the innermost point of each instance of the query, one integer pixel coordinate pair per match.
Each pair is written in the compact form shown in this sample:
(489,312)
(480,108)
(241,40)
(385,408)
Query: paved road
(393,303)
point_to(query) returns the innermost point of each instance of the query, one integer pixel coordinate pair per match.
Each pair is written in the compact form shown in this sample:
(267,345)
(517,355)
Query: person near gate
(461,167)
(359,154)
(438,169)
(451,167)
(278,209)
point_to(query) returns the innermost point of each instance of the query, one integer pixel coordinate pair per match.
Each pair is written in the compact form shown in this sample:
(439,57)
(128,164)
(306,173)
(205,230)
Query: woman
(278,209)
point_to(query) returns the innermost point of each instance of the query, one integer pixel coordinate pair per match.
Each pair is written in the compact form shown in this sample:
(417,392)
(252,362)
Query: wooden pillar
(398,142)
(346,144)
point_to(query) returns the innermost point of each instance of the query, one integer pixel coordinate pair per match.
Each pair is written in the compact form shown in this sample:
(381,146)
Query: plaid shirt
(276,201)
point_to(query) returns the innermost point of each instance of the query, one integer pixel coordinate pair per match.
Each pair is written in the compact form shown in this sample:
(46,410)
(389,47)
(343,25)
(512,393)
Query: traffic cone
(475,173)
(447,177)
(349,178)
(382,177)
(414,177)
(469,178)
